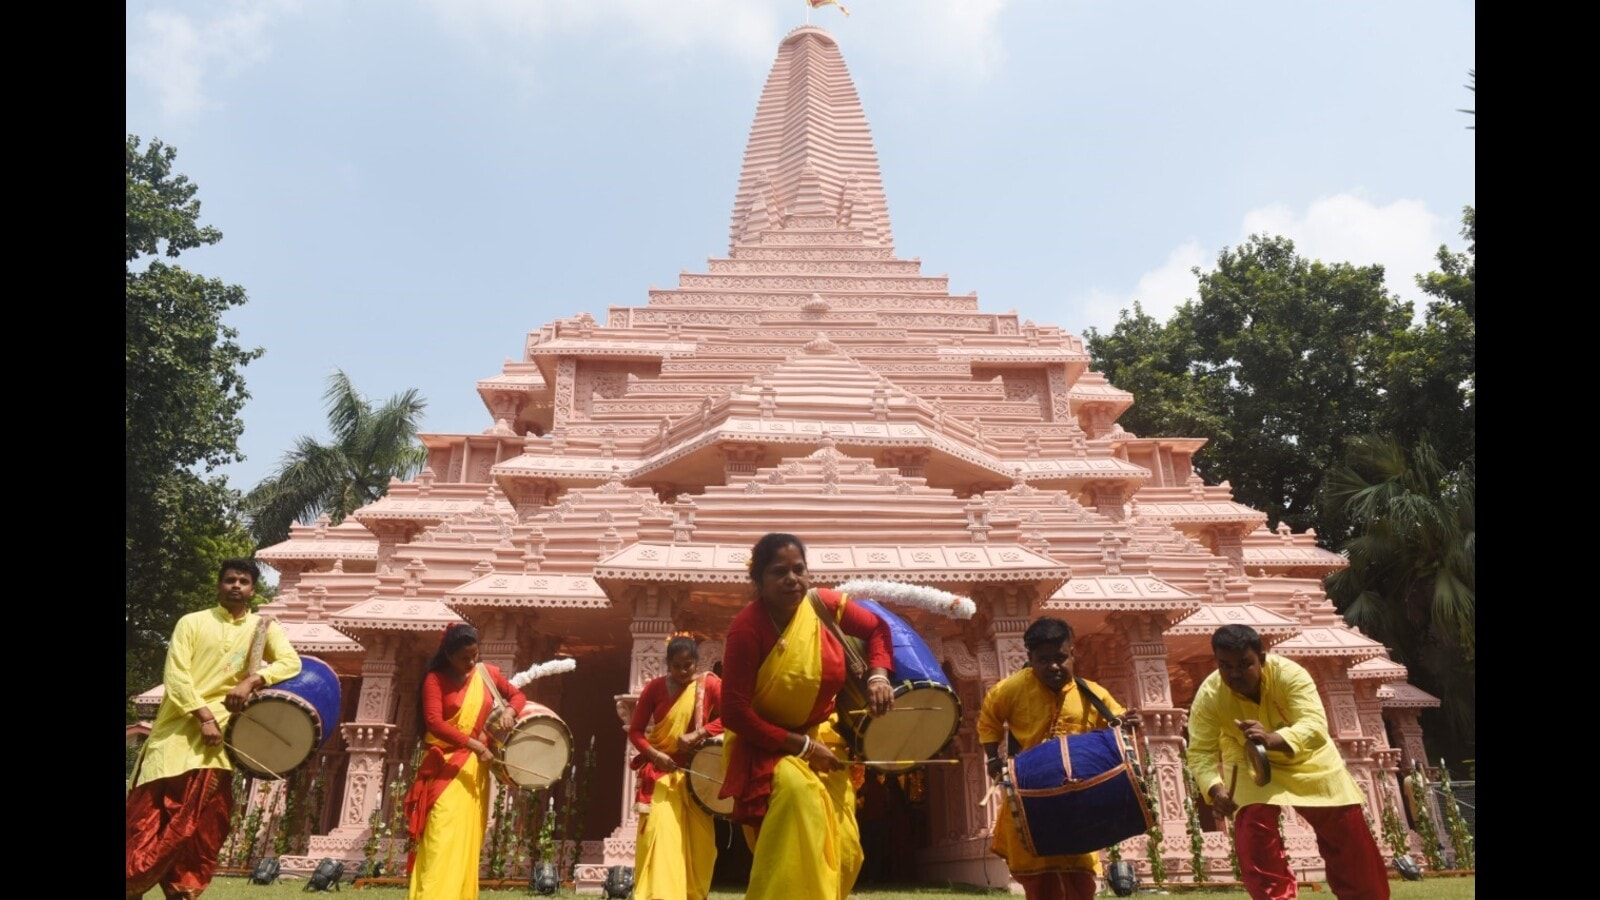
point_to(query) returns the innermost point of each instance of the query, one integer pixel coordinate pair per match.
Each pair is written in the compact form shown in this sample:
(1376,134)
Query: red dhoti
(1355,869)
(176,826)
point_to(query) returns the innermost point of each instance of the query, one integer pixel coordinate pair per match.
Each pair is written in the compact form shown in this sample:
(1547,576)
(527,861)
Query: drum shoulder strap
(1099,705)
(258,646)
(494,692)
(855,666)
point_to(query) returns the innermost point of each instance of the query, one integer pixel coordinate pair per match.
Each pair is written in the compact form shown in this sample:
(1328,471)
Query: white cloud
(1403,236)
(1346,227)
(958,35)
(177,55)
(503,29)
(1158,292)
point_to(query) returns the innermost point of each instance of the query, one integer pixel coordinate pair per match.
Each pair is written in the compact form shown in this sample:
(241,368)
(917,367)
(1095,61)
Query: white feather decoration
(540,670)
(944,603)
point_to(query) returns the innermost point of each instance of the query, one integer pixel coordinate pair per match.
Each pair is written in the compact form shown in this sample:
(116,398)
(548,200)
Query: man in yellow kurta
(1273,701)
(1036,704)
(182,797)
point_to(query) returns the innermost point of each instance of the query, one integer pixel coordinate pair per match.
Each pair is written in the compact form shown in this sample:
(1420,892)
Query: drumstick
(909,762)
(868,712)
(263,726)
(1233,782)
(703,775)
(511,765)
(252,760)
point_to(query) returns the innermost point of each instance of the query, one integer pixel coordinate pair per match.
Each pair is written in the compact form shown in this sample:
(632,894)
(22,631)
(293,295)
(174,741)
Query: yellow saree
(808,845)
(676,848)
(447,856)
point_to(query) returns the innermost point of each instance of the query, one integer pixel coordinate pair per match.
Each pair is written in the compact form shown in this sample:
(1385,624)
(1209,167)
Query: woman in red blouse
(677,843)
(787,768)
(448,806)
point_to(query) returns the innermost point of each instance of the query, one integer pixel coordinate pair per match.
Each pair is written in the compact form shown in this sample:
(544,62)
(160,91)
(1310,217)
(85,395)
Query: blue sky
(407,188)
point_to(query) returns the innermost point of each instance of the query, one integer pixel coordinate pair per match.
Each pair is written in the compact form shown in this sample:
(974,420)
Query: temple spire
(810,161)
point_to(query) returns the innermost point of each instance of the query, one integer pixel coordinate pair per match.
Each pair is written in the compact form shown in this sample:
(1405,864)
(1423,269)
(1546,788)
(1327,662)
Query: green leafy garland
(581,805)
(1461,842)
(1197,841)
(241,798)
(1158,866)
(1424,820)
(1394,832)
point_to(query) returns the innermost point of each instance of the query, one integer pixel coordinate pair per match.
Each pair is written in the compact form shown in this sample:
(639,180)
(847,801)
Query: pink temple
(813,381)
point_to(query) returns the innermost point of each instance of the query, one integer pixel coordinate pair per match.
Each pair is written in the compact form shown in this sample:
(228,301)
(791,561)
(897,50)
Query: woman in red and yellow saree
(448,806)
(676,847)
(786,763)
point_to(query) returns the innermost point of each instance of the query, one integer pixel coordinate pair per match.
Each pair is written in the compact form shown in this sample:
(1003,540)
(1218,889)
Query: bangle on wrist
(805,748)
(878,677)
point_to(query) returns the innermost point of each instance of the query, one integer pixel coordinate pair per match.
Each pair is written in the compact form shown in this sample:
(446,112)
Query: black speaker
(1122,878)
(1408,869)
(619,883)
(265,872)
(545,879)
(326,877)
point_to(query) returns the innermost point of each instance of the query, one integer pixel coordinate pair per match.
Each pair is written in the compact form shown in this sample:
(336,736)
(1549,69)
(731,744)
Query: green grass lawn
(1429,889)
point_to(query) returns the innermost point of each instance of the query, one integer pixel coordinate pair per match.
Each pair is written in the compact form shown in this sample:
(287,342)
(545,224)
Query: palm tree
(1411,582)
(370,446)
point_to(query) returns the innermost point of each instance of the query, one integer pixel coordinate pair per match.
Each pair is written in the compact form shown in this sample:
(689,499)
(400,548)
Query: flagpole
(808,11)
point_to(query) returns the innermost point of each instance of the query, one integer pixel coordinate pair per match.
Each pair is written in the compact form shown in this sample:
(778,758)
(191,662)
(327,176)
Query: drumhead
(924,719)
(707,761)
(273,735)
(537,752)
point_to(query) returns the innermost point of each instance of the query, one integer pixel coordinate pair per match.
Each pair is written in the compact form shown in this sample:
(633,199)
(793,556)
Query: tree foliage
(1327,406)
(1410,493)
(371,445)
(1276,363)
(182,396)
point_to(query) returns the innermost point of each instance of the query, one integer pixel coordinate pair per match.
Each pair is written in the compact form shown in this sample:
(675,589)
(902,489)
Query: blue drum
(1077,794)
(283,725)
(926,711)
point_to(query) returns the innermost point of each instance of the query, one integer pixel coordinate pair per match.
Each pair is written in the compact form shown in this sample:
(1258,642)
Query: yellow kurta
(809,844)
(447,855)
(676,848)
(1034,714)
(205,661)
(1313,774)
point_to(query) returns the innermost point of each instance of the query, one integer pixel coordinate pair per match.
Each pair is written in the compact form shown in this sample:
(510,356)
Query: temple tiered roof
(814,382)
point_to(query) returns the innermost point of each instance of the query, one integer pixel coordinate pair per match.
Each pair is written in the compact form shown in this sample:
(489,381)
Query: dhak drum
(535,753)
(926,710)
(281,726)
(1077,794)
(705,778)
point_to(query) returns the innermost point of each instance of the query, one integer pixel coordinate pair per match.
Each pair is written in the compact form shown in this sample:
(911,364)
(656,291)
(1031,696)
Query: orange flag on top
(815,4)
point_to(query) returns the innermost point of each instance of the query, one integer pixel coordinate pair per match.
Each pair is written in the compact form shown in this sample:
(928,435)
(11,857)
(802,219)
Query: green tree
(1409,493)
(370,446)
(1429,372)
(1275,363)
(182,396)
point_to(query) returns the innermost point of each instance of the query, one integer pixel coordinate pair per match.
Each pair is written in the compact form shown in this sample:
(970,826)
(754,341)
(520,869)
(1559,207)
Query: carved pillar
(1344,724)
(1060,405)
(1230,546)
(911,463)
(1163,723)
(961,791)
(740,459)
(497,637)
(367,740)
(566,375)
(650,628)
(1110,500)
(1370,711)
(1408,729)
